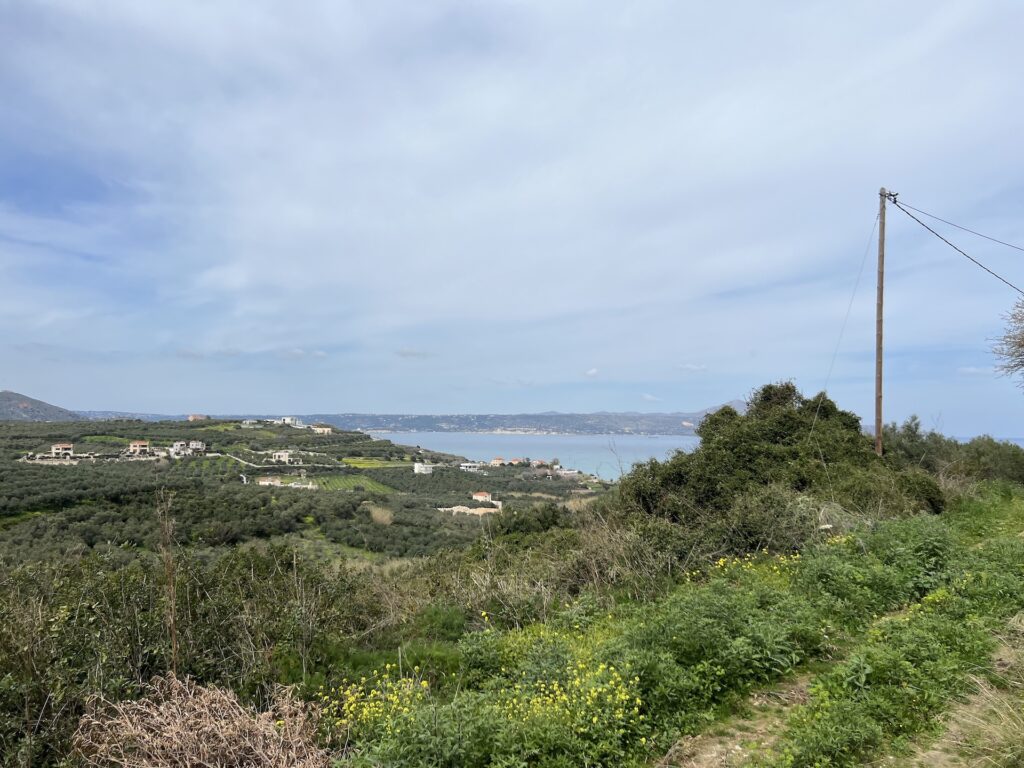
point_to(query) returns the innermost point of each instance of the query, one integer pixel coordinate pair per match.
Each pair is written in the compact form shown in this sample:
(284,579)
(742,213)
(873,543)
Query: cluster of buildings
(64,452)
(498,461)
(288,421)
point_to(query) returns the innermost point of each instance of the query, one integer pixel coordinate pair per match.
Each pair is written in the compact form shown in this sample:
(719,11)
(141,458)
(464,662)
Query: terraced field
(364,462)
(352,483)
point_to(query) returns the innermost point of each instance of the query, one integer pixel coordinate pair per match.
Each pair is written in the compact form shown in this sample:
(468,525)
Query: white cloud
(514,187)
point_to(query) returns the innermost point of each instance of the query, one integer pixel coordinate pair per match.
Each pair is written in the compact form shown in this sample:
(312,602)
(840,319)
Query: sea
(607,456)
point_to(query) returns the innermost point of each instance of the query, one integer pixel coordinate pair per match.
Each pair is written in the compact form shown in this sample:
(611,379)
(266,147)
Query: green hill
(18,407)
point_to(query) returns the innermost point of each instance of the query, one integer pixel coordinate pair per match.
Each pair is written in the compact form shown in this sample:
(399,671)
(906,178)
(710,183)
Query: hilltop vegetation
(571,634)
(16,407)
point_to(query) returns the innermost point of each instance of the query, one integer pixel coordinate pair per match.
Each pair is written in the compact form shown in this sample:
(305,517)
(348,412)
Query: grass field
(351,482)
(363,462)
(104,439)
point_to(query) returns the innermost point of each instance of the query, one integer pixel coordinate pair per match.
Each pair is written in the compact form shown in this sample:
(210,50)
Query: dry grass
(994,729)
(381,515)
(179,724)
(986,730)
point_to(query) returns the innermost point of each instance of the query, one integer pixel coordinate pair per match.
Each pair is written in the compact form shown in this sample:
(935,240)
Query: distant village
(143,449)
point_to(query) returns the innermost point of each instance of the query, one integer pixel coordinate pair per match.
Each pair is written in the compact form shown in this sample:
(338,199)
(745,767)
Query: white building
(250,424)
(470,466)
(419,468)
(482,496)
(268,481)
(62,450)
(322,430)
(197,446)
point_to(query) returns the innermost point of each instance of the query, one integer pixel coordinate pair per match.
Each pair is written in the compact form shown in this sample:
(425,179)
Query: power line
(842,328)
(954,247)
(965,229)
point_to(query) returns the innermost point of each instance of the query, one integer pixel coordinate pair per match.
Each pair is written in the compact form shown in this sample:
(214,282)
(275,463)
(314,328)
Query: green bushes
(600,688)
(763,478)
(908,669)
(982,458)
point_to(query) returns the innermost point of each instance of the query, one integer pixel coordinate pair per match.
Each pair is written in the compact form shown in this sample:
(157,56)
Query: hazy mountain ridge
(16,407)
(603,423)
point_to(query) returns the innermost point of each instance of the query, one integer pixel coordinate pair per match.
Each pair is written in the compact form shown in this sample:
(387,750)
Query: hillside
(338,493)
(18,407)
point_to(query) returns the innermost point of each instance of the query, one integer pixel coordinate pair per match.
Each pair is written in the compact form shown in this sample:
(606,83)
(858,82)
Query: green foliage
(532,695)
(762,479)
(982,458)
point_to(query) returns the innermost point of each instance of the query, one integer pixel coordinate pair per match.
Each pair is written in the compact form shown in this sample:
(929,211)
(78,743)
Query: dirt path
(981,729)
(733,741)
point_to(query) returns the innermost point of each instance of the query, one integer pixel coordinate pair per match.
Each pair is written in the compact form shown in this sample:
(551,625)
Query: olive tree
(1010,346)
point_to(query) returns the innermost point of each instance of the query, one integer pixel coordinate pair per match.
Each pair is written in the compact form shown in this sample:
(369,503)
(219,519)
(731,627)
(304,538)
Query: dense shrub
(762,478)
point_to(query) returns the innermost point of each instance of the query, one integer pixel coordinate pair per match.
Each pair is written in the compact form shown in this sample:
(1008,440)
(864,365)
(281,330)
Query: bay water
(607,456)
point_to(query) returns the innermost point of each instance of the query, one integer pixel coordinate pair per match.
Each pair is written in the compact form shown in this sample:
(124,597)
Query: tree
(1010,346)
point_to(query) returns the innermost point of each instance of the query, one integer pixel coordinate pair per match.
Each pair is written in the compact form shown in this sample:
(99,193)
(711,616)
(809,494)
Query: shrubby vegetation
(550,634)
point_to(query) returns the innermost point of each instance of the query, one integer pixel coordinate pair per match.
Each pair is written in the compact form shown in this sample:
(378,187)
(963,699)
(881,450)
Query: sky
(458,206)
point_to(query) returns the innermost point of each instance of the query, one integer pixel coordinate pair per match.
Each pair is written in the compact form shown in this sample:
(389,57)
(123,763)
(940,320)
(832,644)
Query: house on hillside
(139,448)
(197,446)
(62,450)
(322,430)
(266,480)
(497,461)
(285,457)
(250,424)
(197,417)
(420,468)
(482,496)
(470,466)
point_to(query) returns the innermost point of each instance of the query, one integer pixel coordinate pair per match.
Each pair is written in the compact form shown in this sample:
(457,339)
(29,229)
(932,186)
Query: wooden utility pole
(882,196)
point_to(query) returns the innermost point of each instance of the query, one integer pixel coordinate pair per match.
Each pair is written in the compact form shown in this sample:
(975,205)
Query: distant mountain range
(602,423)
(16,407)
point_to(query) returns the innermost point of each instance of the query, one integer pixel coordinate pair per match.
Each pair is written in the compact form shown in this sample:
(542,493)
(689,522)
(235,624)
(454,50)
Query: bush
(759,479)
(178,723)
